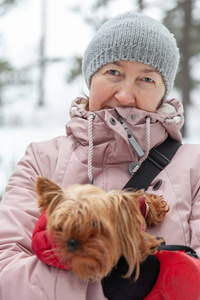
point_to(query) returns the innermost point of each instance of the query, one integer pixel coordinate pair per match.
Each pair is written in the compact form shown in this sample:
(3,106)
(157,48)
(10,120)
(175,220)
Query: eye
(94,224)
(147,79)
(113,72)
(59,228)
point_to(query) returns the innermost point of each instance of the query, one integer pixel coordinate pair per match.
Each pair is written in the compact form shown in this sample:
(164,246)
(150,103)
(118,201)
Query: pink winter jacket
(65,160)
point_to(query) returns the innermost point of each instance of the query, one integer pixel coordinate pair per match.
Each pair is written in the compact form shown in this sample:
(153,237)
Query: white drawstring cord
(90,150)
(147,140)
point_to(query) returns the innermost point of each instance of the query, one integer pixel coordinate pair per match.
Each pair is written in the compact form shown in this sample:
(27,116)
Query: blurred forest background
(41,48)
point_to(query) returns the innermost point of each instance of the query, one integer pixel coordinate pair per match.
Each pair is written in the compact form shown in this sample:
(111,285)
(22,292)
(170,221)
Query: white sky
(67,33)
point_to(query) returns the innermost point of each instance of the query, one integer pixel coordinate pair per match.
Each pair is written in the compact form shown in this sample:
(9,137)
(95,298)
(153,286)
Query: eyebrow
(145,70)
(151,71)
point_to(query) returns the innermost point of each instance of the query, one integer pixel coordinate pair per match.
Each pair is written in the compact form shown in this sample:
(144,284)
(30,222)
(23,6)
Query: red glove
(42,245)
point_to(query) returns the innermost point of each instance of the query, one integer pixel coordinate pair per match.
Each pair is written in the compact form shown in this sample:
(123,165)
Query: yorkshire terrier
(93,228)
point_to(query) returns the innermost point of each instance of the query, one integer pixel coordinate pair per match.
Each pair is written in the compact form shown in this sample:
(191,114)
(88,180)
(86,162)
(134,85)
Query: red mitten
(42,245)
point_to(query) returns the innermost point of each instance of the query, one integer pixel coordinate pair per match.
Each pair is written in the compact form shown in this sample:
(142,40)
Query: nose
(72,244)
(126,94)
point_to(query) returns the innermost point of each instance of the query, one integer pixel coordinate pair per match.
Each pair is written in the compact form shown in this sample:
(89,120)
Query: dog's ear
(46,190)
(157,209)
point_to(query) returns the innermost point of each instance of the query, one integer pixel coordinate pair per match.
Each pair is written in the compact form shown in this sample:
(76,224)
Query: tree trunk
(185,76)
(42,62)
(141,5)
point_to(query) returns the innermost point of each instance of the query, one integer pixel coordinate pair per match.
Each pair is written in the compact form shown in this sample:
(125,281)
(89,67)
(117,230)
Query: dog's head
(92,228)
(78,222)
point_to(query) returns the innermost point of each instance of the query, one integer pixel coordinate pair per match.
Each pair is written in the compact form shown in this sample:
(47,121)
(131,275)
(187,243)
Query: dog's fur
(93,228)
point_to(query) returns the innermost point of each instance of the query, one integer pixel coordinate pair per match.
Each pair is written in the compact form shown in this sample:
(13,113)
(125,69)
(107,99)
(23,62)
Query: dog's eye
(94,224)
(59,228)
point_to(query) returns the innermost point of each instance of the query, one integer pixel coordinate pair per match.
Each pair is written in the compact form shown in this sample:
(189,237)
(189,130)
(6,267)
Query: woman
(129,67)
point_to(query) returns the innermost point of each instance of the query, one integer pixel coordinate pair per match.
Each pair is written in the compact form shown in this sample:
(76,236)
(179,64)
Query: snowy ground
(193,120)
(24,123)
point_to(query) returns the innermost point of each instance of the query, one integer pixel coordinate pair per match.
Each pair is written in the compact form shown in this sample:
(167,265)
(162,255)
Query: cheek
(94,100)
(150,101)
(98,96)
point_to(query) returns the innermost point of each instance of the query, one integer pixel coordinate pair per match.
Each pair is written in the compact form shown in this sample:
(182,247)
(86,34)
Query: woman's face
(126,83)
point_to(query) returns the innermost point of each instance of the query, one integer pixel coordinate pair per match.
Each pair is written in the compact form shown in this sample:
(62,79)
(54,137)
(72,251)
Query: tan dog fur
(104,225)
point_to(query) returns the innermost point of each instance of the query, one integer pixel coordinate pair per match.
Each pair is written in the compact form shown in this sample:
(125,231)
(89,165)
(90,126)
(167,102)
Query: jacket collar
(166,121)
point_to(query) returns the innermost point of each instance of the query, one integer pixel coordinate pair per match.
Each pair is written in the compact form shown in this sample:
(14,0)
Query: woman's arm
(22,275)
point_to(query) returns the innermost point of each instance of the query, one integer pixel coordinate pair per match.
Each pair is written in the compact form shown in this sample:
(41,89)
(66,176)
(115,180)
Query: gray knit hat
(135,37)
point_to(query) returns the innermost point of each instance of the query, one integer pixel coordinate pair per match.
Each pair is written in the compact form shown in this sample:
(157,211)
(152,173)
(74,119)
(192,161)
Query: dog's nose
(72,244)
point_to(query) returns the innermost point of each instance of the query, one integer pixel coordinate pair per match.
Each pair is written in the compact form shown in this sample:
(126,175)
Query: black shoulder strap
(157,160)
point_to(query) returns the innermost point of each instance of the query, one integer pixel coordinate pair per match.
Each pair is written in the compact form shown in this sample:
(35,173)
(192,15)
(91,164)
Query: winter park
(100,149)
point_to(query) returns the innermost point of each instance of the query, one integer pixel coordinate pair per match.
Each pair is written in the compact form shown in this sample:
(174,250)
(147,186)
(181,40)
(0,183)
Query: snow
(26,123)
